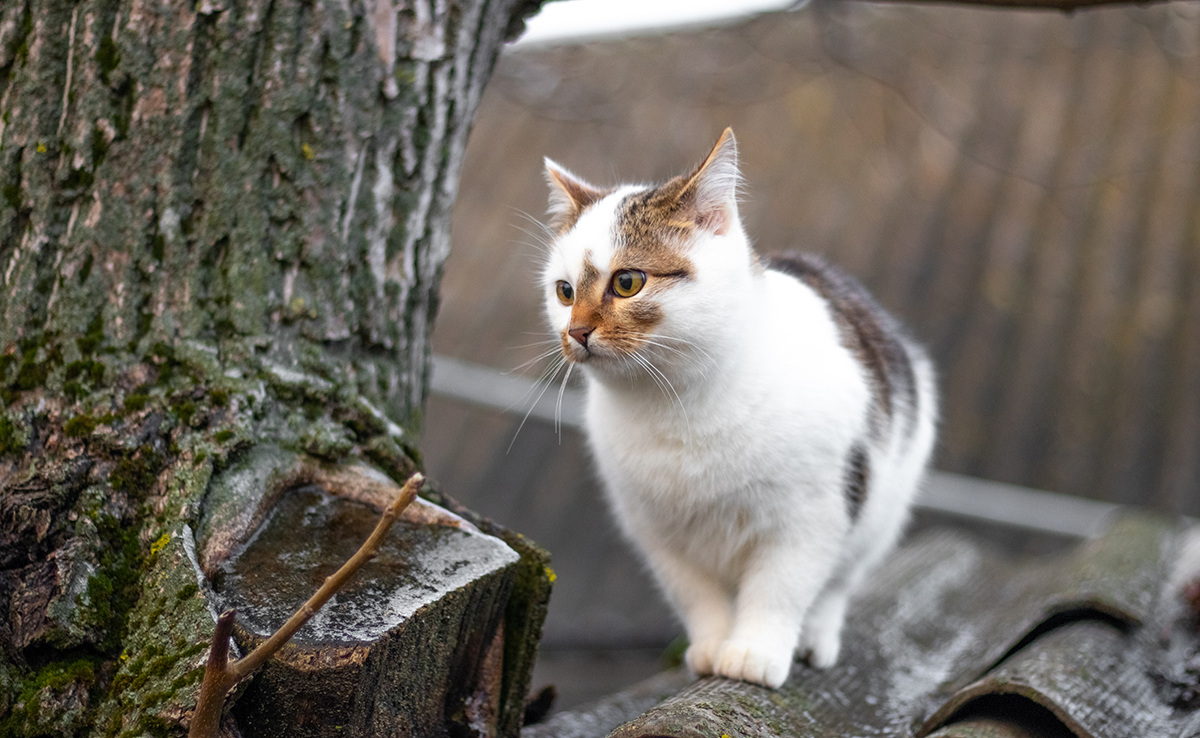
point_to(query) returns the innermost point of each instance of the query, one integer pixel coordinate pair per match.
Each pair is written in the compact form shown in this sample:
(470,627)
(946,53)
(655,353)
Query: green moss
(80,426)
(99,143)
(108,56)
(64,674)
(184,407)
(94,337)
(31,375)
(77,179)
(219,397)
(12,194)
(75,390)
(188,591)
(27,718)
(192,677)
(136,473)
(223,436)
(88,369)
(85,271)
(136,402)
(113,589)
(672,655)
(12,439)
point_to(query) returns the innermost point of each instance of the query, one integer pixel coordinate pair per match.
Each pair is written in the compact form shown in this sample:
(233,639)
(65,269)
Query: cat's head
(645,273)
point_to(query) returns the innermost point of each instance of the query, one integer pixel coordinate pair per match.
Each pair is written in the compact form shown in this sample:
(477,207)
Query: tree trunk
(222,223)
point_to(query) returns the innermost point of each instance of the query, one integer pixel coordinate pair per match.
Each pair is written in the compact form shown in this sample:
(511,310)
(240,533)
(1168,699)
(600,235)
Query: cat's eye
(628,282)
(566,294)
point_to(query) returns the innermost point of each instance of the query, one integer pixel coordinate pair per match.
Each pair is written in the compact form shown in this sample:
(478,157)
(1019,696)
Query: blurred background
(1021,187)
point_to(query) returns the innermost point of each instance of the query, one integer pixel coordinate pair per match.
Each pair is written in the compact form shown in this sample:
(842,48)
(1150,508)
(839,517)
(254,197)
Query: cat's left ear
(711,191)
(569,195)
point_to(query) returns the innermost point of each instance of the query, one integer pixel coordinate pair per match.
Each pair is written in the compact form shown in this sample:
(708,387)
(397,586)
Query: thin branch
(221,676)
(217,681)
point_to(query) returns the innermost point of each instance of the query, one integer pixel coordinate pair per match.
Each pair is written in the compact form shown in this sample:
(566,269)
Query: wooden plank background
(1022,187)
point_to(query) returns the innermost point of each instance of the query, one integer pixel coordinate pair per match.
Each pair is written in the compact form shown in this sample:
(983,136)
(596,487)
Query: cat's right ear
(569,196)
(711,190)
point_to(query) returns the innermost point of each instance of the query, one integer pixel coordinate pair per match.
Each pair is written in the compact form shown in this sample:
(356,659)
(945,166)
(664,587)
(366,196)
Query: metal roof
(1086,643)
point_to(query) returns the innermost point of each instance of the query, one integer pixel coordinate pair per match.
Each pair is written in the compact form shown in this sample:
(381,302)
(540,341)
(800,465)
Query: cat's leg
(702,600)
(867,546)
(821,637)
(774,594)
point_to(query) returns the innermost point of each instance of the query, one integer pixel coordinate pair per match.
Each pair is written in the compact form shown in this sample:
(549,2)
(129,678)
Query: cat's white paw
(702,656)
(750,662)
(822,648)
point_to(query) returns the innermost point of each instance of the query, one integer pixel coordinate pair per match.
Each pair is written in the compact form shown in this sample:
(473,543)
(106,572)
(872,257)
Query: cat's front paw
(822,648)
(702,656)
(750,662)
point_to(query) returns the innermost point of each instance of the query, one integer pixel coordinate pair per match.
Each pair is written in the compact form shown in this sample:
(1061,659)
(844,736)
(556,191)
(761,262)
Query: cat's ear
(711,190)
(569,195)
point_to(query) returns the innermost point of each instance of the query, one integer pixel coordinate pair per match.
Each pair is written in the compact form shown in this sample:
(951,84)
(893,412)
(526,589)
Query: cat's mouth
(580,352)
(577,354)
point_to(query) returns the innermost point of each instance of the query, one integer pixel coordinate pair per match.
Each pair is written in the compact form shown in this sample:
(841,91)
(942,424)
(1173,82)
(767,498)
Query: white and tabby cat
(760,428)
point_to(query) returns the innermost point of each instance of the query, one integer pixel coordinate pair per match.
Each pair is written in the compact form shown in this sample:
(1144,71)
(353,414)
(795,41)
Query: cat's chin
(615,371)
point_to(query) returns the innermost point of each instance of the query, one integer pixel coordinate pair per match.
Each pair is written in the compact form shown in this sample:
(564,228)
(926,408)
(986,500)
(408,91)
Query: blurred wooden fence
(1022,187)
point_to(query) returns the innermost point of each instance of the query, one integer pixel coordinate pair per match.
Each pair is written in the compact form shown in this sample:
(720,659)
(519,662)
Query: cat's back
(878,341)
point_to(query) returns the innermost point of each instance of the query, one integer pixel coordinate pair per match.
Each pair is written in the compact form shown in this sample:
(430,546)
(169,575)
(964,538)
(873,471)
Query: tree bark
(222,223)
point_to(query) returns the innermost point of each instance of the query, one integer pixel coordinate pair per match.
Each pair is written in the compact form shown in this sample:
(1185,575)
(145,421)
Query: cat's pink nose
(580,333)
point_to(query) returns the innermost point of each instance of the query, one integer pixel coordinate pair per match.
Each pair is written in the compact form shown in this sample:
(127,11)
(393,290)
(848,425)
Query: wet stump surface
(412,645)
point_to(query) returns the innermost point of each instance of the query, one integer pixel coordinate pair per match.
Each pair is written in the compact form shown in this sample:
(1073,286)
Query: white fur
(728,471)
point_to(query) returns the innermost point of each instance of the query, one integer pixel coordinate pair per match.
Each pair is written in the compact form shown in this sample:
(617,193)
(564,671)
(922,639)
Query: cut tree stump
(416,644)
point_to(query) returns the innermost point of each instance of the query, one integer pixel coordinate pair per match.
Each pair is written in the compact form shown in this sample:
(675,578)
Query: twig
(221,676)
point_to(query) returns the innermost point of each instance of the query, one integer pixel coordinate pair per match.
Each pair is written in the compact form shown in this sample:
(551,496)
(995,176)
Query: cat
(760,427)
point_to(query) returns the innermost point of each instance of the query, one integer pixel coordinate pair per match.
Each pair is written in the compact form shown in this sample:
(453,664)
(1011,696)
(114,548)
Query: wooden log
(414,645)
(599,718)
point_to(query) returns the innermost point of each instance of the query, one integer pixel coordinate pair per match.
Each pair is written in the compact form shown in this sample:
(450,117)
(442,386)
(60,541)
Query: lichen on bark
(221,223)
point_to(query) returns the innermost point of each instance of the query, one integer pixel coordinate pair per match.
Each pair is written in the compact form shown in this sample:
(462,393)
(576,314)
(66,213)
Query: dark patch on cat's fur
(588,279)
(650,230)
(858,471)
(618,322)
(868,330)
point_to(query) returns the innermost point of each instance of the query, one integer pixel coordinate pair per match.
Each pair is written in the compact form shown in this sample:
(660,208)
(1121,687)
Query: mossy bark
(222,223)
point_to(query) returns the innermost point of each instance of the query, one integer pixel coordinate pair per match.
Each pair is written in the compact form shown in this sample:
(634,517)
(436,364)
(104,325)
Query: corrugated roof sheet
(949,629)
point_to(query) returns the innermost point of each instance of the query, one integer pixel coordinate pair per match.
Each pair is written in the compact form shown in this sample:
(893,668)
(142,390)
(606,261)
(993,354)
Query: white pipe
(946,493)
(579,21)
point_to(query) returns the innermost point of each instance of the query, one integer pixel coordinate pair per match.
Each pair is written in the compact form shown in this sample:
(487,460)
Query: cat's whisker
(519,369)
(690,344)
(558,407)
(544,342)
(686,356)
(546,380)
(547,230)
(664,384)
(545,377)
(536,242)
(544,240)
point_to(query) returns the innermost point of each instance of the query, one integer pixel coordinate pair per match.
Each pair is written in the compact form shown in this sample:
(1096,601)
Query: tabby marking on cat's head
(624,258)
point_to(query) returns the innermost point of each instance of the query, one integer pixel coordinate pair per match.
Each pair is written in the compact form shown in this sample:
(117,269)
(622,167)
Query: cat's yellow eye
(566,294)
(628,282)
